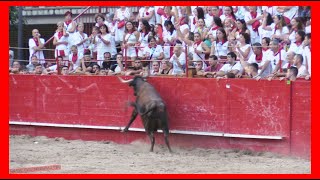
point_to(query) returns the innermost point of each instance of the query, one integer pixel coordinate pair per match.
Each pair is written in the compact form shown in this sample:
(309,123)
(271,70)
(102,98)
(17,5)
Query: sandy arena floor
(90,157)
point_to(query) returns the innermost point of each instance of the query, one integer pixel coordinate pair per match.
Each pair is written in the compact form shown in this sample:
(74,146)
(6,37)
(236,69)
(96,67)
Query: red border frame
(4,166)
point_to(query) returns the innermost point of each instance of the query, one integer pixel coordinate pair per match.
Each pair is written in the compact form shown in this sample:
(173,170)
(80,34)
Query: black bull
(150,106)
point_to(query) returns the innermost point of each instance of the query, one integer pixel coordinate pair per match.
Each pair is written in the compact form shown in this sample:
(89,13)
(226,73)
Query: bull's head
(134,82)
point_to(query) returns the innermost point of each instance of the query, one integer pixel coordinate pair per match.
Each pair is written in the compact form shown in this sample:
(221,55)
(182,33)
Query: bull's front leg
(133,117)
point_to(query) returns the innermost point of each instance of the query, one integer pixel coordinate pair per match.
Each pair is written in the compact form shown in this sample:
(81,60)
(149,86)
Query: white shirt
(181,59)
(274,58)
(268,70)
(39,54)
(228,67)
(302,71)
(152,52)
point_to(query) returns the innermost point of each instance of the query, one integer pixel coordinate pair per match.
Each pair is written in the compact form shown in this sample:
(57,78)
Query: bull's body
(150,106)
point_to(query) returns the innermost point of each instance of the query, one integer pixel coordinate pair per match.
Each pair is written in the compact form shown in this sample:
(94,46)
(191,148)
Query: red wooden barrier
(230,113)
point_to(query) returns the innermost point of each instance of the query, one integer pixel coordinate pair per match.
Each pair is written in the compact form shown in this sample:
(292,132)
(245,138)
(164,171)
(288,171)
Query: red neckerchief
(295,29)
(60,34)
(197,43)
(215,28)
(36,41)
(222,42)
(130,32)
(194,20)
(259,57)
(298,43)
(182,22)
(289,65)
(68,22)
(239,30)
(74,58)
(253,14)
(265,49)
(167,17)
(146,33)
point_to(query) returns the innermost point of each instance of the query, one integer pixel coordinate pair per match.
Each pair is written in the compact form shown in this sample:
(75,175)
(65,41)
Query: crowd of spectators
(216,41)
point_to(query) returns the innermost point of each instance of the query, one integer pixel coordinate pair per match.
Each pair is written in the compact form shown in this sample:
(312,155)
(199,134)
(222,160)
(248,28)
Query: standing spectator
(200,49)
(252,19)
(264,66)
(147,13)
(244,47)
(153,51)
(130,41)
(216,24)
(296,25)
(267,27)
(35,45)
(277,56)
(232,66)
(99,19)
(228,13)
(289,12)
(80,38)
(169,38)
(220,47)
(265,42)
(61,42)
(121,16)
(241,27)
(104,43)
(307,53)
(145,33)
(167,16)
(297,45)
(93,42)
(70,28)
(178,59)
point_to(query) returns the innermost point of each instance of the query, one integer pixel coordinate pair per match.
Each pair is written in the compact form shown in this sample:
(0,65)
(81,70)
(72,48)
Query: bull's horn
(125,81)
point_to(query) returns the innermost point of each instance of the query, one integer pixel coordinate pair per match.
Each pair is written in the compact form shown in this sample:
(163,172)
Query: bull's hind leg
(152,139)
(166,138)
(133,117)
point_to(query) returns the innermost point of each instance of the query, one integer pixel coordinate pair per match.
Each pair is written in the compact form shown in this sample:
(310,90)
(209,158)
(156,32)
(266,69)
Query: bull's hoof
(125,130)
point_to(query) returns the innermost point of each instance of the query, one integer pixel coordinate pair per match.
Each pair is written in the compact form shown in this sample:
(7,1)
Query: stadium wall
(269,116)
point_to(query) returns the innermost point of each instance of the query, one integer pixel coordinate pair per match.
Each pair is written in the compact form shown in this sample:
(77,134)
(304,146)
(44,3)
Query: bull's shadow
(150,106)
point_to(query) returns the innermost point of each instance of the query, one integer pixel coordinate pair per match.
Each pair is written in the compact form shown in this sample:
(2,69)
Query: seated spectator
(231,66)
(34,62)
(64,70)
(178,60)
(166,68)
(119,66)
(136,69)
(214,66)
(107,64)
(74,58)
(95,69)
(251,71)
(302,70)
(155,70)
(199,68)
(16,68)
(291,74)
